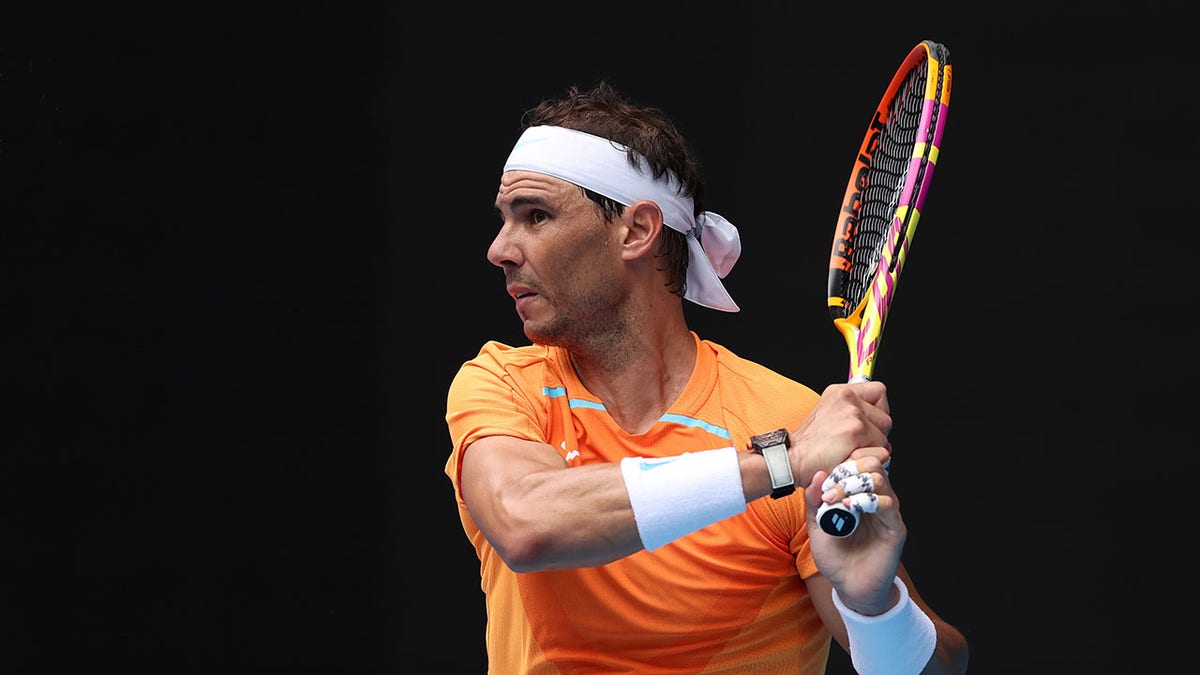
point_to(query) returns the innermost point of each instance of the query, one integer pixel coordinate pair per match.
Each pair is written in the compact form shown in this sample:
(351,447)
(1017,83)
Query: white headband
(602,166)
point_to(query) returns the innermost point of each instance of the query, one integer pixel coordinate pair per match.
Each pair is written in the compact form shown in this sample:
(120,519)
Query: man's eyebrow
(521,202)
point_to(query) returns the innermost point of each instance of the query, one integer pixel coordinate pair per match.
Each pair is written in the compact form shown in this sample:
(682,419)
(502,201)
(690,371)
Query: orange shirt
(729,598)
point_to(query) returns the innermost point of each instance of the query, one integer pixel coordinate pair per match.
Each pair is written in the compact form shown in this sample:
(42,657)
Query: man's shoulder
(504,369)
(734,369)
(530,365)
(506,355)
(498,349)
(757,396)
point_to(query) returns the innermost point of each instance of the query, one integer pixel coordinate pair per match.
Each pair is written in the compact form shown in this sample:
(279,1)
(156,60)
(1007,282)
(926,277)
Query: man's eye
(538,216)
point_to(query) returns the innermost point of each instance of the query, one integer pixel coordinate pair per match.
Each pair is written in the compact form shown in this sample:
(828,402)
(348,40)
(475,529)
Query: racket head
(884,196)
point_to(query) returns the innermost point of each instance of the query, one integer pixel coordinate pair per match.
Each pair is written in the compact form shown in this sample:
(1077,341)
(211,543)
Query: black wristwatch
(773,446)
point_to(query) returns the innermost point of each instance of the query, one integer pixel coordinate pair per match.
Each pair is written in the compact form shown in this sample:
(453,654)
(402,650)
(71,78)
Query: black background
(244,255)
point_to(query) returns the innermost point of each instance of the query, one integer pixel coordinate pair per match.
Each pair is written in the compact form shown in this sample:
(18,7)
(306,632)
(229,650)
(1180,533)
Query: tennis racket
(888,185)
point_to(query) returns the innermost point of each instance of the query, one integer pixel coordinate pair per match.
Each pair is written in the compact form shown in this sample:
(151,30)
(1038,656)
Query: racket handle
(837,520)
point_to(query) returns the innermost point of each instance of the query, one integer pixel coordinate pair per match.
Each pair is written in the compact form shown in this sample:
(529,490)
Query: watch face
(777,437)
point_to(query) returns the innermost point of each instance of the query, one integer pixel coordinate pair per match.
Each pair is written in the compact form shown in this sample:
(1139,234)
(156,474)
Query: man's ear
(643,224)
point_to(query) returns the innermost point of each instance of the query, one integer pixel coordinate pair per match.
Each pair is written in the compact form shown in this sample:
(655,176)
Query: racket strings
(885,184)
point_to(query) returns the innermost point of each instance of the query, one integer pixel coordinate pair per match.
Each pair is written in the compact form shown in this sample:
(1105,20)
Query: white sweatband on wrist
(674,496)
(897,642)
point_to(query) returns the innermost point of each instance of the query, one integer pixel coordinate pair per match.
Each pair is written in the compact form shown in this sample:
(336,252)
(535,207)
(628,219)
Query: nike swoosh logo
(646,466)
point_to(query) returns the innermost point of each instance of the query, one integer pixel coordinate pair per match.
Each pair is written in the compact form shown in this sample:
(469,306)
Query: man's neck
(640,377)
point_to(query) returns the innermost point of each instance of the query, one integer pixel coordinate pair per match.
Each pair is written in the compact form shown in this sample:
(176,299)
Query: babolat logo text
(843,246)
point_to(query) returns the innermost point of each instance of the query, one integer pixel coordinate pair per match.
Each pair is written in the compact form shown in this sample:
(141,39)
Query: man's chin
(540,334)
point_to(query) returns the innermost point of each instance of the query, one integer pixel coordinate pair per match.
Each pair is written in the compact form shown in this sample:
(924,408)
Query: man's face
(561,259)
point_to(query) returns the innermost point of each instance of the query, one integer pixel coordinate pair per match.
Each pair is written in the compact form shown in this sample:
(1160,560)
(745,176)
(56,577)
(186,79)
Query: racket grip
(836,520)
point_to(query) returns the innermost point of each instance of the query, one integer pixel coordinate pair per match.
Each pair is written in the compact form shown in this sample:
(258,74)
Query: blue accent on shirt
(559,392)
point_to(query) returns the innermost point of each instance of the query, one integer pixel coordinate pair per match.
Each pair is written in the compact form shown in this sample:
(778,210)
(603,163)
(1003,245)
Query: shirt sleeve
(486,399)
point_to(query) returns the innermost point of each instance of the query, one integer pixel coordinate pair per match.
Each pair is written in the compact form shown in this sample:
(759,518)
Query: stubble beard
(594,325)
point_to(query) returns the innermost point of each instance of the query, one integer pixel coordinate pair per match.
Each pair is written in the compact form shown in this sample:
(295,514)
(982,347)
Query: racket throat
(860,349)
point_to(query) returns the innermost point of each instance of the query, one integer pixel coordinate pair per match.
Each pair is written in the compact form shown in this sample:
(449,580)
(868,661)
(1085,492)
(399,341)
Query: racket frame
(862,327)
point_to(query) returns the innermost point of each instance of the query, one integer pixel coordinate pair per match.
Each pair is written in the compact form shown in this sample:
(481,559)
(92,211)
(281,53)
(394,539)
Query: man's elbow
(524,551)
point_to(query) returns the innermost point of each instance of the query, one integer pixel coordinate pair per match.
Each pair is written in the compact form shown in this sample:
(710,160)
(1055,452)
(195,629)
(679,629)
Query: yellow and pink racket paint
(884,196)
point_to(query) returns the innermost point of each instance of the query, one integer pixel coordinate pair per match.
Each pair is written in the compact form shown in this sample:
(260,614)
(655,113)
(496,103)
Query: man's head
(619,153)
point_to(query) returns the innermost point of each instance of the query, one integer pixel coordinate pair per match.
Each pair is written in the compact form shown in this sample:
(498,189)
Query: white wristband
(897,642)
(674,496)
